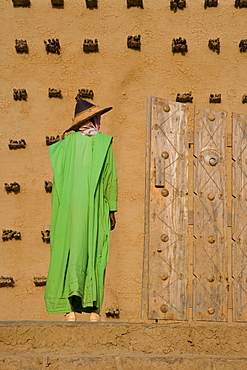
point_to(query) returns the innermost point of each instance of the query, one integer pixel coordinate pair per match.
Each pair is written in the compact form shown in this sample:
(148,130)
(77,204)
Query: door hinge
(159,165)
(190,300)
(191,217)
(229,219)
(191,138)
(229,140)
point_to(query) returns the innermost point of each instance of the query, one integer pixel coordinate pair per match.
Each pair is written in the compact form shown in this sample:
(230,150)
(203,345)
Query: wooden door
(217,283)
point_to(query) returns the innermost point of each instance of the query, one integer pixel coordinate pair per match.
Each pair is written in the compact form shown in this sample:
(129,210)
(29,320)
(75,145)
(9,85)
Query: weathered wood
(210,221)
(166,231)
(145,270)
(239,217)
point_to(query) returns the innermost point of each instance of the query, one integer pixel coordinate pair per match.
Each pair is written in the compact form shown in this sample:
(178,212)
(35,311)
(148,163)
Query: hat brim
(86,115)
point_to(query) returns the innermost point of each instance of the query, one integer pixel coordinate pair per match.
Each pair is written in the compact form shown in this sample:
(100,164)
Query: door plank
(210,221)
(168,214)
(239,217)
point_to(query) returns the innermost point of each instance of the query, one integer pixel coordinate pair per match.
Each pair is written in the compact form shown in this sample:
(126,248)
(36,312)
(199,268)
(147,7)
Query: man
(84,200)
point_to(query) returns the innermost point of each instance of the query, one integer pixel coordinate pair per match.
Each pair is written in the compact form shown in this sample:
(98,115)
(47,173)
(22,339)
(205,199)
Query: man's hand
(112,220)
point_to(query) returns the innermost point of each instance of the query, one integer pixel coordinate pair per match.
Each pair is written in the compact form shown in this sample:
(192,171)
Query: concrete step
(29,361)
(71,345)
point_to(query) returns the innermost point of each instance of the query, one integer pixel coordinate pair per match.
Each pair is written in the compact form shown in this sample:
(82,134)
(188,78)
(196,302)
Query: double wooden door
(196,214)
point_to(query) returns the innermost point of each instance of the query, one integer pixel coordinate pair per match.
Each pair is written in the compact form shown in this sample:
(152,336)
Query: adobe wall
(120,77)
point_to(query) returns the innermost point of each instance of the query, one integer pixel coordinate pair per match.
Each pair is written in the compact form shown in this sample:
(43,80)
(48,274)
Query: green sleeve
(56,157)
(110,180)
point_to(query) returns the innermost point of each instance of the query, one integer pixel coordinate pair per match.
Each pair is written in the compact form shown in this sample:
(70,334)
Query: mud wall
(120,77)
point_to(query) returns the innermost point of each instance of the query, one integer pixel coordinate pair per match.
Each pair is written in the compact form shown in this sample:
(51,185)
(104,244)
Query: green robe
(84,191)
